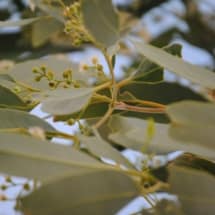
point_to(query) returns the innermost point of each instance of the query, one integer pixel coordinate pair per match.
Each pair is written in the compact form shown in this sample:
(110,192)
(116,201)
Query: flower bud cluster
(66,81)
(97,68)
(74,24)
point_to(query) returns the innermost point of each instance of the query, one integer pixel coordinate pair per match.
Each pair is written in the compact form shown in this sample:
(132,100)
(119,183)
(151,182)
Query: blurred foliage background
(162,21)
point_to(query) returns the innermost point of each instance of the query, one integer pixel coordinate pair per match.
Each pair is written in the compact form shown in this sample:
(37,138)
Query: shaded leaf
(167,207)
(66,101)
(44,29)
(29,157)
(19,119)
(132,133)
(191,72)
(93,111)
(193,122)
(195,162)
(10,99)
(101,192)
(195,190)
(101,21)
(101,148)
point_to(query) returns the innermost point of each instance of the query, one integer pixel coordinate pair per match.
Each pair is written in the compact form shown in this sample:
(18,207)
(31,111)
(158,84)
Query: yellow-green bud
(99,67)
(50,75)
(37,78)
(35,70)
(71,122)
(43,68)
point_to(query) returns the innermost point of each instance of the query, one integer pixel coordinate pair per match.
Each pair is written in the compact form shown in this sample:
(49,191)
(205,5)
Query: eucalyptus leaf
(66,101)
(101,21)
(54,11)
(41,33)
(30,157)
(103,149)
(10,99)
(132,133)
(194,189)
(20,119)
(150,72)
(20,23)
(100,192)
(193,122)
(22,72)
(191,72)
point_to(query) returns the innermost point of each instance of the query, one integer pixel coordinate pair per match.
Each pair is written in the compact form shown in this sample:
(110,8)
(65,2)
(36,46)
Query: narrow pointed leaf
(103,149)
(20,23)
(186,70)
(26,156)
(101,192)
(20,119)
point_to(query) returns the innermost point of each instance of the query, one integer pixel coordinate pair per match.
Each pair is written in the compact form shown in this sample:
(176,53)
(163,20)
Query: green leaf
(66,101)
(21,22)
(26,156)
(166,207)
(132,133)
(101,21)
(19,119)
(150,72)
(22,72)
(103,149)
(186,70)
(44,29)
(195,190)
(10,99)
(101,192)
(54,11)
(193,122)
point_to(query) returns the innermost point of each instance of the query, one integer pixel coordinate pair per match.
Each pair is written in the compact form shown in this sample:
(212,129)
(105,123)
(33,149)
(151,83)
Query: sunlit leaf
(101,21)
(66,101)
(19,119)
(150,72)
(54,11)
(31,157)
(191,72)
(101,192)
(22,72)
(103,149)
(21,22)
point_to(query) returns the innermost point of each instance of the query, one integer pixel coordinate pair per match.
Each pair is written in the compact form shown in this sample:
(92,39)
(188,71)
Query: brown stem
(126,107)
